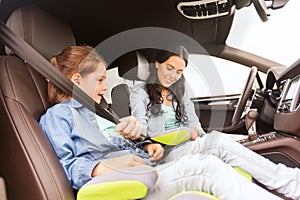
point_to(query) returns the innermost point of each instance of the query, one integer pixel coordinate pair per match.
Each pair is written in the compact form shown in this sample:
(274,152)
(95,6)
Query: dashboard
(282,144)
(205,9)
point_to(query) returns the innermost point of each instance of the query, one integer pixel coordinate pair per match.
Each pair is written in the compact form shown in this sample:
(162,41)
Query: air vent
(206,9)
(290,96)
(297,104)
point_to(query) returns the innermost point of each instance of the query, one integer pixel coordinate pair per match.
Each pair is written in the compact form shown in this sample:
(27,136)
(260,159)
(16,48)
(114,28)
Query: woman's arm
(193,120)
(129,127)
(138,105)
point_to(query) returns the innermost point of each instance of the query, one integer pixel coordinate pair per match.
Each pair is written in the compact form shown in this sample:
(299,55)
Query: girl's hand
(155,151)
(129,127)
(120,162)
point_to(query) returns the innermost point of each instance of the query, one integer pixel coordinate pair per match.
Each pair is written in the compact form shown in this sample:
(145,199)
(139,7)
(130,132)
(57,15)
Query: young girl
(88,145)
(163,104)
(80,137)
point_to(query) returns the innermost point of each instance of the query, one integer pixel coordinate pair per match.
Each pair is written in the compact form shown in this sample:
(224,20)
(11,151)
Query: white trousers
(205,165)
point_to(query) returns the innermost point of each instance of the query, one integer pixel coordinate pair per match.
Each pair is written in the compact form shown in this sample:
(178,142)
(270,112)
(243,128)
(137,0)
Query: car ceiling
(94,21)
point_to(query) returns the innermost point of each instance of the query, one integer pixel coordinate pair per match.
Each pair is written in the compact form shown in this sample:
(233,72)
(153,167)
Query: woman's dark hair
(154,88)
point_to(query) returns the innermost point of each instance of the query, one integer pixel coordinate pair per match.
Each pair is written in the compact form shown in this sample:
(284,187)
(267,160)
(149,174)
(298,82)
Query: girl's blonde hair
(73,59)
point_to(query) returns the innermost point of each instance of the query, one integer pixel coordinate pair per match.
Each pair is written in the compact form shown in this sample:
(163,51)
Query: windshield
(276,39)
(212,76)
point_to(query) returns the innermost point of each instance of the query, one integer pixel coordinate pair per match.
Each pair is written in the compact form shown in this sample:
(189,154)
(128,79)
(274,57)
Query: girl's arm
(120,162)
(155,151)
(58,125)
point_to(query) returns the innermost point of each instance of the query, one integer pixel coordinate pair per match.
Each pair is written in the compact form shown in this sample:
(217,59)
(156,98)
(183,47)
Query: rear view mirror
(276,4)
(262,8)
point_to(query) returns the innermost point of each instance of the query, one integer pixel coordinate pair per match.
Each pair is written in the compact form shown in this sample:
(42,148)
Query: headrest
(42,31)
(133,66)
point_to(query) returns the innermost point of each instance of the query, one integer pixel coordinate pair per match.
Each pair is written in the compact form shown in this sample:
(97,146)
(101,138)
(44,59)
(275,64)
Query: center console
(260,139)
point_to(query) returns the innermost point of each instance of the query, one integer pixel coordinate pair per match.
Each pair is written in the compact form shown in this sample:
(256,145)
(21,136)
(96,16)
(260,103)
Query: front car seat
(28,163)
(132,66)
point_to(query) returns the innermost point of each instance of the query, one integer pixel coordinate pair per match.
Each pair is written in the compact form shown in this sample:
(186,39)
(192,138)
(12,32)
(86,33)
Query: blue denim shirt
(75,136)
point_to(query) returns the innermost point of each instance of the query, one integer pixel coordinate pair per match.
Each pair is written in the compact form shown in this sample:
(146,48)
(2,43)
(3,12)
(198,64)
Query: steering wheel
(244,97)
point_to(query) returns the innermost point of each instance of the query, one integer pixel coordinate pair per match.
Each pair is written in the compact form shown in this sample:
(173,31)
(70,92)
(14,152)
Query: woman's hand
(155,151)
(129,127)
(194,133)
(113,164)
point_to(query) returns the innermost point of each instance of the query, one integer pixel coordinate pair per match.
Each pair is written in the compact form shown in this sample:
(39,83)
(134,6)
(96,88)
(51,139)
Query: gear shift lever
(251,117)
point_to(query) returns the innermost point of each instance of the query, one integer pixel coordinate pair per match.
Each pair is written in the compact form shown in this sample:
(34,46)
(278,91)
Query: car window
(276,39)
(205,76)
(113,79)
(212,76)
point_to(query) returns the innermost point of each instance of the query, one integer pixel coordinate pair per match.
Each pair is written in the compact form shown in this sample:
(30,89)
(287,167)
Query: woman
(88,145)
(163,104)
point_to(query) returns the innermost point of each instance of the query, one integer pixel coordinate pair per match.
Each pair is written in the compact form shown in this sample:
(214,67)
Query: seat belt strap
(22,49)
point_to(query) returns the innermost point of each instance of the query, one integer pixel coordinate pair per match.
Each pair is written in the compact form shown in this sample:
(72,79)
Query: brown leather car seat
(29,165)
